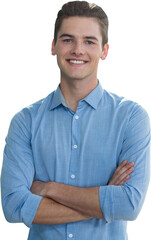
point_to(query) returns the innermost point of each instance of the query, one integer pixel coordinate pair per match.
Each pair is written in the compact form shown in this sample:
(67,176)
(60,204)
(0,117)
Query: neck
(76,90)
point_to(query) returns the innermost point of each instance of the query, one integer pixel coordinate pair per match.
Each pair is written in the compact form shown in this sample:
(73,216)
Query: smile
(76,61)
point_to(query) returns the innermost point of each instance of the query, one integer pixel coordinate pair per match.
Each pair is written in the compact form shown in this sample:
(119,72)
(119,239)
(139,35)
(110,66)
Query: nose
(77,49)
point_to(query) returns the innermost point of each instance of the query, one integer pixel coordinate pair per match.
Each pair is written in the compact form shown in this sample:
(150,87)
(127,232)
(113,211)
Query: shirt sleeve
(19,204)
(125,202)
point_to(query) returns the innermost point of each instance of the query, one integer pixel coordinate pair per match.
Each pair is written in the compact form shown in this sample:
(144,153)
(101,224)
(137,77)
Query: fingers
(122,173)
(123,181)
(125,174)
(124,166)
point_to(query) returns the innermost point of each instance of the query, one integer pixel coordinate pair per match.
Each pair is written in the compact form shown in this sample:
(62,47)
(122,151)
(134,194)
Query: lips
(76,61)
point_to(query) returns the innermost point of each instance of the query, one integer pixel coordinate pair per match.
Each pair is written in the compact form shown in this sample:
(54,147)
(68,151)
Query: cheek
(61,61)
(95,54)
(61,54)
(96,58)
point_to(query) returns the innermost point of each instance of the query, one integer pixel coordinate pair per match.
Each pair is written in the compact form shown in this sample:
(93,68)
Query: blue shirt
(48,141)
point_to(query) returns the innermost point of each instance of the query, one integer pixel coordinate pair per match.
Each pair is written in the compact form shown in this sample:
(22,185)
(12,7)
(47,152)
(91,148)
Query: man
(68,158)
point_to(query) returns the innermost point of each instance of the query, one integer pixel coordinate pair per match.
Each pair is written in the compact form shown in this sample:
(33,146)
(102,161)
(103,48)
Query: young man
(68,158)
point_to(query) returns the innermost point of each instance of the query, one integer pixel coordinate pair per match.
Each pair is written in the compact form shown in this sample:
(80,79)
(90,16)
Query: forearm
(50,212)
(84,200)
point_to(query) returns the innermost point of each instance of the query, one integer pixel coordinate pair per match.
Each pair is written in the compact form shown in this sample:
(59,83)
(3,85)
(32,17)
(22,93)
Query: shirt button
(75,146)
(70,235)
(72,176)
(76,117)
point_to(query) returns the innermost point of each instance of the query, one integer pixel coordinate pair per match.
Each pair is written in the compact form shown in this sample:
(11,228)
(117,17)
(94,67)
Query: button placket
(75,137)
(74,159)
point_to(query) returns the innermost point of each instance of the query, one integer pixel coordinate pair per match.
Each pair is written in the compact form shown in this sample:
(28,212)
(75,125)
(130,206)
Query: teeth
(76,62)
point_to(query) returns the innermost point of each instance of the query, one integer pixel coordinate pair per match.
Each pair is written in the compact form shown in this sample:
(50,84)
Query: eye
(68,40)
(89,42)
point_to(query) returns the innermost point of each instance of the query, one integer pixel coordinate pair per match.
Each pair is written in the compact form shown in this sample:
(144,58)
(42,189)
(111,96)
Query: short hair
(83,9)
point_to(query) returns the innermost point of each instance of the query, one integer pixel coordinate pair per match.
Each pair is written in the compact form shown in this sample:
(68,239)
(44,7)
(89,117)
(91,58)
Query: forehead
(78,26)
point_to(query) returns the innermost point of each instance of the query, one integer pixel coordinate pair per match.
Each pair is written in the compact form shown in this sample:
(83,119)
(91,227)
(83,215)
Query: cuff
(106,202)
(30,208)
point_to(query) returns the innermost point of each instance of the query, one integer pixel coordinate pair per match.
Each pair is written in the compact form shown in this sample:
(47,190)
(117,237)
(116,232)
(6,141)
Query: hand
(39,188)
(122,173)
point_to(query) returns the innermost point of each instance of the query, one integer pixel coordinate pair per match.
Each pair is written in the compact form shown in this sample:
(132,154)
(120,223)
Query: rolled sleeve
(125,202)
(29,209)
(19,204)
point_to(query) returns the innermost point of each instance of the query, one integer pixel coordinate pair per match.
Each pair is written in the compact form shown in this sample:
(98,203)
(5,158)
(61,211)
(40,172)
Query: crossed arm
(65,203)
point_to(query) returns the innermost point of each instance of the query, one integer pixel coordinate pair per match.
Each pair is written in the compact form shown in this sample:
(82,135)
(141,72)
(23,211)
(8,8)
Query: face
(79,48)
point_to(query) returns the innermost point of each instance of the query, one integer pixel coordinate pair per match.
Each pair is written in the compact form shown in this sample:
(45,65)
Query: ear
(53,52)
(105,51)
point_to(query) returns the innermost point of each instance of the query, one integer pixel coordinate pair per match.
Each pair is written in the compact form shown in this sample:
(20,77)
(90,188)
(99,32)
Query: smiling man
(78,54)
(68,169)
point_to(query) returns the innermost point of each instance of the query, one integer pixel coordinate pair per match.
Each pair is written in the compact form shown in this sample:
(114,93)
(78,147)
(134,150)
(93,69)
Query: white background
(28,72)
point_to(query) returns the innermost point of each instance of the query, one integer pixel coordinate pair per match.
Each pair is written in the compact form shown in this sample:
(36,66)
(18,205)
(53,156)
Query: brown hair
(83,9)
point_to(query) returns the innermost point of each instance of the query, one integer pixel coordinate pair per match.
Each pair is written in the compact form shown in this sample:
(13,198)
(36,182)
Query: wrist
(47,191)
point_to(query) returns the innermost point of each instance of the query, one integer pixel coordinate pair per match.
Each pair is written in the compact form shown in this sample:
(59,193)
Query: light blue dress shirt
(48,141)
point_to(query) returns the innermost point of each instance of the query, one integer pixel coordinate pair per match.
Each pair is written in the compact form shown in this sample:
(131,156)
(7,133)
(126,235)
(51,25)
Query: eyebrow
(91,37)
(71,36)
(66,35)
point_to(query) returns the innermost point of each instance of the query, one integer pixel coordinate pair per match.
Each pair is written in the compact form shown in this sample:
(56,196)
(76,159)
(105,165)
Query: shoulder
(117,101)
(34,108)
(125,105)
(131,113)
(24,118)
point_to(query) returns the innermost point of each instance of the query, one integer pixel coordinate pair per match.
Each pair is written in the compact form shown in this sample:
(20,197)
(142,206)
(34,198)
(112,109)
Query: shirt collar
(92,99)
(95,96)
(58,99)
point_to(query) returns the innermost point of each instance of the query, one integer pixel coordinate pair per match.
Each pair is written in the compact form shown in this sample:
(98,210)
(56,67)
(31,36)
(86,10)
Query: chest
(79,149)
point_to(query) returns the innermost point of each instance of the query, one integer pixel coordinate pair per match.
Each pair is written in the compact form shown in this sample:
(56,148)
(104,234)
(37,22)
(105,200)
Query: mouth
(76,62)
